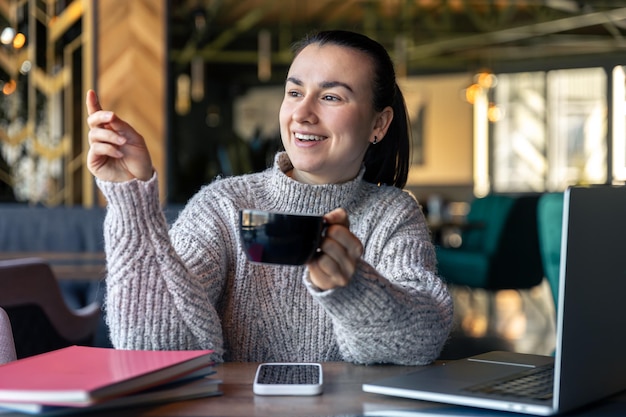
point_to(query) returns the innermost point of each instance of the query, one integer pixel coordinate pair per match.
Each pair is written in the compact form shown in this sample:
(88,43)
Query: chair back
(487,218)
(500,248)
(550,227)
(40,319)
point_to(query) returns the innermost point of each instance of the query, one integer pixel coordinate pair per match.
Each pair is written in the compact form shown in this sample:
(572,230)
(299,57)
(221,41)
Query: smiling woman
(371,293)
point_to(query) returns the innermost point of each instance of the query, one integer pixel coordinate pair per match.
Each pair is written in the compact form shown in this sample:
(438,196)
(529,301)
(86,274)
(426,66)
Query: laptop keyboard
(535,383)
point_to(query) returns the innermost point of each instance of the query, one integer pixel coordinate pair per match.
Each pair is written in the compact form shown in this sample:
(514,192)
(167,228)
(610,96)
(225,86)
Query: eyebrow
(325,84)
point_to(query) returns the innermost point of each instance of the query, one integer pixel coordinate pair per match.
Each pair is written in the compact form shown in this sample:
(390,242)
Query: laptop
(590,357)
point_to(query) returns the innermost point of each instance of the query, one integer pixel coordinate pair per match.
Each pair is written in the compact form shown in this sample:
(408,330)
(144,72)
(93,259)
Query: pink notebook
(82,376)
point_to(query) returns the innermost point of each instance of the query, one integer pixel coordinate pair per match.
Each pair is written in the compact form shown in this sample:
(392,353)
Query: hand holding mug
(325,243)
(117,152)
(340,251)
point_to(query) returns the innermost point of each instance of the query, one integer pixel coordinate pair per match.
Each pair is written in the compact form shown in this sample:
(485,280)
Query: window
(619,124)
(553,130)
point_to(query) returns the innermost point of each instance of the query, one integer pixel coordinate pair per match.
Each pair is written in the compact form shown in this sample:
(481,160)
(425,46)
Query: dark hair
(388,161)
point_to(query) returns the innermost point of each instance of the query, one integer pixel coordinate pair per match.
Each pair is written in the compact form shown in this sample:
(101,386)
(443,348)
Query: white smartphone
(288,379)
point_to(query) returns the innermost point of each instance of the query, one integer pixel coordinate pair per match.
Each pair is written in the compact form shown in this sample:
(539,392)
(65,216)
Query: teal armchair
(499,249)
(550,227)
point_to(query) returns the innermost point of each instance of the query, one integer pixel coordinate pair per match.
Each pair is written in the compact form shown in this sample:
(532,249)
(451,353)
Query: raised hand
(340,251)
(117,152)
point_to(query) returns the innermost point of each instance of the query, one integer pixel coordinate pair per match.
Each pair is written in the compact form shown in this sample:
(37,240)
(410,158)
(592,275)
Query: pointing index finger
(93,105)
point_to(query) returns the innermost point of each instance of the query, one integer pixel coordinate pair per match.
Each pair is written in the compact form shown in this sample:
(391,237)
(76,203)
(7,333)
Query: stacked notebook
(78,378)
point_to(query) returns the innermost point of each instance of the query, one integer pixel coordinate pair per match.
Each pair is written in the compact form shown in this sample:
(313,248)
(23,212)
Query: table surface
(342,396)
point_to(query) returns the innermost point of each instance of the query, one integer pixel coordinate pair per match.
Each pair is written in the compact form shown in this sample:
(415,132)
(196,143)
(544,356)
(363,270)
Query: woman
(373,295)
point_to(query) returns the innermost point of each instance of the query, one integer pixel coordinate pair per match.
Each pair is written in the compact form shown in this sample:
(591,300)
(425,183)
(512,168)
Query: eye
(294,93)
(328,97)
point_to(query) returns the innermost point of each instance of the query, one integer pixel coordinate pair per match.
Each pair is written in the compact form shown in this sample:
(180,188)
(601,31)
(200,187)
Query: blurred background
(504,95)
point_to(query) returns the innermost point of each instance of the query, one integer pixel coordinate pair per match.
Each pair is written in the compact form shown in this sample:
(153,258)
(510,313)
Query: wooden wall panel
(131,69)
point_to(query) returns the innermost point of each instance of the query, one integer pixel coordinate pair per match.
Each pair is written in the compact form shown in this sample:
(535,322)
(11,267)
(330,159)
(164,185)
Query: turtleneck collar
(283,193)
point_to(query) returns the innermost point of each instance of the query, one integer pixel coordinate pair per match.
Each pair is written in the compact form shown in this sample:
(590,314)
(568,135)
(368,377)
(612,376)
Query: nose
(304,111)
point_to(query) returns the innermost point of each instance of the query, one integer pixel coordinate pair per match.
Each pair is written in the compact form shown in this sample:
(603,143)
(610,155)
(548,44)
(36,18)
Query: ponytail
(388,162)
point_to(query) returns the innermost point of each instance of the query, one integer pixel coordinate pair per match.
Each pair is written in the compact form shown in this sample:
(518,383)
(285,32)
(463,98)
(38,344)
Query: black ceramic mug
(280,238)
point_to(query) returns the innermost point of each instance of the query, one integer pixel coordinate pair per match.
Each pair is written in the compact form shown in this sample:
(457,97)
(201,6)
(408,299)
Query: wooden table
(87,266)
(342,396)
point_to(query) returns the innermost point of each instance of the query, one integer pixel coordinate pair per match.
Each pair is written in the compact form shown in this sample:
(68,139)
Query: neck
(305,178)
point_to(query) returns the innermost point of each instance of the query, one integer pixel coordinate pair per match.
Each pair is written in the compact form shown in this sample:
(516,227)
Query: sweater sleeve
(395,309)
(153,301)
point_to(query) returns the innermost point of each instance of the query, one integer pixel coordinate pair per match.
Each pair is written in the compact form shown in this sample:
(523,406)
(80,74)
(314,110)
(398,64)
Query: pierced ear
(383,121)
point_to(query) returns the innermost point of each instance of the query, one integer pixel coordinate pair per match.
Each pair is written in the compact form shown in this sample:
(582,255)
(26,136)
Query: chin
(304,163)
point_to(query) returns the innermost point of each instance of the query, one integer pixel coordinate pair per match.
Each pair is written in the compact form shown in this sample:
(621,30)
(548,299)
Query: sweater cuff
(140,193)
(366,294)
(133,204)
(313,289)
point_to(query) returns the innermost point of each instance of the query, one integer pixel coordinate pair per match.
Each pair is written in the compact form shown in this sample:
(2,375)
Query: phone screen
(289,374)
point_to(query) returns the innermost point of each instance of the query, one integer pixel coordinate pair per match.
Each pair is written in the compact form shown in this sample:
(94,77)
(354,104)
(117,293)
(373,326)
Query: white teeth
(308,137)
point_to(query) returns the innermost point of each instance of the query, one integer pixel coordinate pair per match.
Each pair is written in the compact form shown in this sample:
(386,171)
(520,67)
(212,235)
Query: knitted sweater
(192,288)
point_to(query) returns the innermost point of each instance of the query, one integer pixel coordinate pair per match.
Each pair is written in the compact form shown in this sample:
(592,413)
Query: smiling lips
(308,138)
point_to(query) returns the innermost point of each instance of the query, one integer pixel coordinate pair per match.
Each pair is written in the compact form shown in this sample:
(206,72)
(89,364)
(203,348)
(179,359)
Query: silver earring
(375,140)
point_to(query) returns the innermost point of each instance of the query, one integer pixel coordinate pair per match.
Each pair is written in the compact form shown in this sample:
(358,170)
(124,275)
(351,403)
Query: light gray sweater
(192,288)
